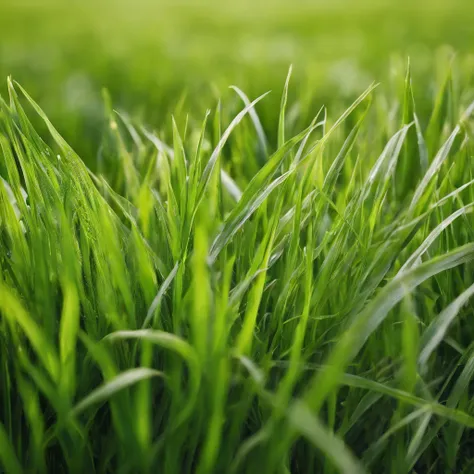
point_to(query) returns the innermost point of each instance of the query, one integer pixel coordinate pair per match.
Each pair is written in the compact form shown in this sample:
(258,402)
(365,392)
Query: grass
(226,303)
(152,55)
(234,280)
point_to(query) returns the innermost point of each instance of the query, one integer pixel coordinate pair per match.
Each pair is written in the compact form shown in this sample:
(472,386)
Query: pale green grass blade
(207,172)
(435,233)
(284,100)
(256,121)
(159,296)
(111,387)
(436,331)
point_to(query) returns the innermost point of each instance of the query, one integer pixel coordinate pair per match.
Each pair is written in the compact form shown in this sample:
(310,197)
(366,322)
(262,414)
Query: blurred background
(155,57)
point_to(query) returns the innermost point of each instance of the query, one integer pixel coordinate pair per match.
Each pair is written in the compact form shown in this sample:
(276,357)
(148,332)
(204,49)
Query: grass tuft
(223,296)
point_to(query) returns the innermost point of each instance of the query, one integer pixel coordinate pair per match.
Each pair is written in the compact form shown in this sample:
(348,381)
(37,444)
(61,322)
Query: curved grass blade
(254,195)
(375,449)
(440,325)
(180,347)
(256,121)
(207,173)
(159,296)
(365,323)
(110,388)
(439,159)
(438,409)
(411,261)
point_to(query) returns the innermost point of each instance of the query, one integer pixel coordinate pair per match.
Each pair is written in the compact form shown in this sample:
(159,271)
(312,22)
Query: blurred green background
(156,56)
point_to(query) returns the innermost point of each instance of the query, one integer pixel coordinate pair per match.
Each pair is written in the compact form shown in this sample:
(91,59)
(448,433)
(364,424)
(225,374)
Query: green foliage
(174,313)
(272,285)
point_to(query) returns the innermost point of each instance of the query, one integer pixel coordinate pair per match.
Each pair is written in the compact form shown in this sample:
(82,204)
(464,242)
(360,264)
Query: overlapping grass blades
(175,314)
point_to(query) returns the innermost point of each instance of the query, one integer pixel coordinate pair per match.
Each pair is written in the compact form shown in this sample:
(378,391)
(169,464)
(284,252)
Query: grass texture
(228,294)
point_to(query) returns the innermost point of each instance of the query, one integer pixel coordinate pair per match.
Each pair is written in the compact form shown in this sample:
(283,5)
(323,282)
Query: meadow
(236,238)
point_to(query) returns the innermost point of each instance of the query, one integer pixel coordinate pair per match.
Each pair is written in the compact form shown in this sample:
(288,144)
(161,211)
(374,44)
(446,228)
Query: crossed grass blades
(226,304)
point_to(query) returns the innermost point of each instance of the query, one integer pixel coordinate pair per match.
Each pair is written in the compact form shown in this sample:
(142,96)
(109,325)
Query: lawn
(197,278)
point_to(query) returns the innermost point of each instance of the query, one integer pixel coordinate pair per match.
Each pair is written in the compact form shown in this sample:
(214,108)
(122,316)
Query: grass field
(203,279)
